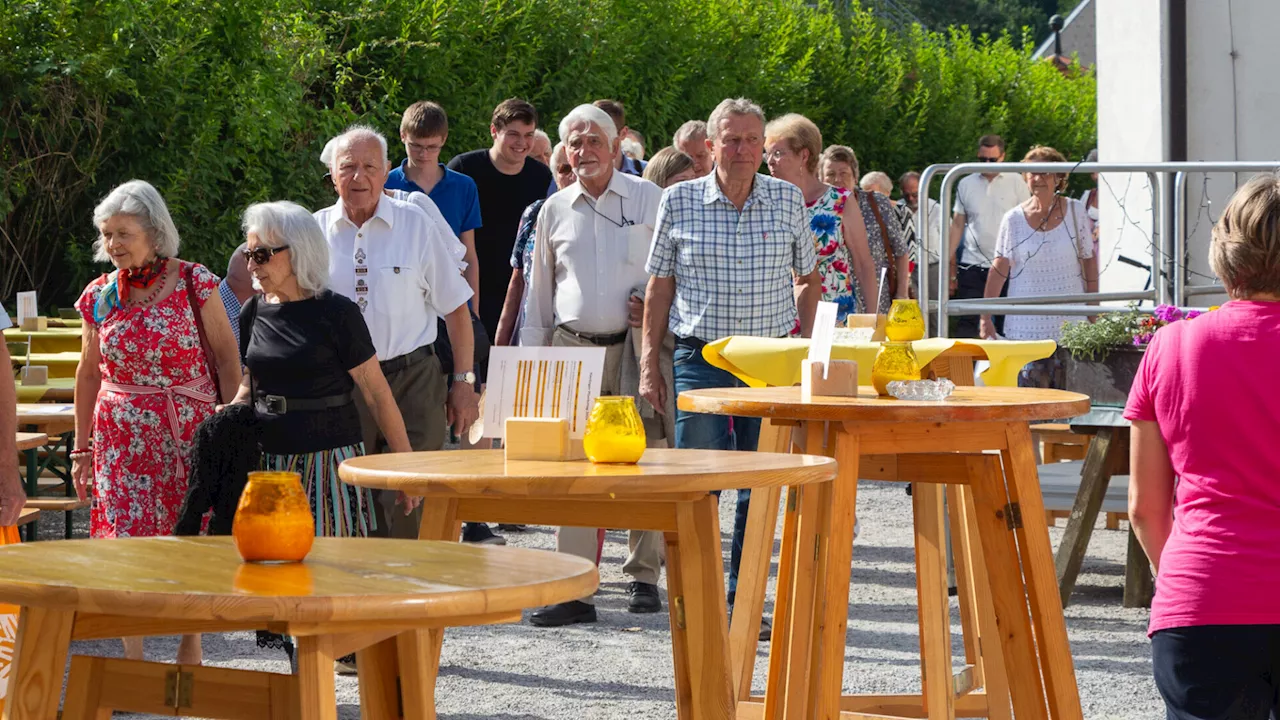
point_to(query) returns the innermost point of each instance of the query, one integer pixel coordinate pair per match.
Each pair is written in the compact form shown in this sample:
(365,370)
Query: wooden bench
(1060,482)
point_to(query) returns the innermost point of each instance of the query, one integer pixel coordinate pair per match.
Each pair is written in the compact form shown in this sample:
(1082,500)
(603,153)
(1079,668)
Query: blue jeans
(714,432)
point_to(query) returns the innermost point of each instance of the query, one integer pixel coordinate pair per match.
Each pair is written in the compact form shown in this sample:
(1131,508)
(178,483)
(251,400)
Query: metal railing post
(1180,238)
(922,238)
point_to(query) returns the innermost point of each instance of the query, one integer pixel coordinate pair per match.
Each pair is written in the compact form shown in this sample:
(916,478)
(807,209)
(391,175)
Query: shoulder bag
(194,302)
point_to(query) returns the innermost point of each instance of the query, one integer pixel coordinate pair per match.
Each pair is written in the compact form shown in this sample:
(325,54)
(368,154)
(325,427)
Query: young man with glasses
(981,203)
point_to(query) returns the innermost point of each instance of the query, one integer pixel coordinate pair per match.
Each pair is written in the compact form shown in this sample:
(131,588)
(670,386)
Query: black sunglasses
(986,159)
(262,255)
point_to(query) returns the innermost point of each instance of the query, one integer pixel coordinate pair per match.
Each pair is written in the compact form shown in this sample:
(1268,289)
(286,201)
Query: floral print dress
(156,389)
(835,266)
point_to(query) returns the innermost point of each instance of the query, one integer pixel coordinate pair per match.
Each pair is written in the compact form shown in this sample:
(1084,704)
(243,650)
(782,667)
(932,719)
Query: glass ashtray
(922,389)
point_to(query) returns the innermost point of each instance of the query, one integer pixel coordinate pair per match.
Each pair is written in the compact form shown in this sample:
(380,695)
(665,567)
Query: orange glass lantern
(895,361)
(905,322)
(614,432)
(273,522)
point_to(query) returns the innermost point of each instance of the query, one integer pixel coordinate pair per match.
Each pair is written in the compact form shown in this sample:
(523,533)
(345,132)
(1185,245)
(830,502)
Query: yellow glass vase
(905,322)
(273,521)
(895,361)
(614,432)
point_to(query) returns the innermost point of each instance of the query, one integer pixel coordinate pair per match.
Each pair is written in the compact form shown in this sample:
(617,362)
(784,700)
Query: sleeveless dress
(835,266)
(156,388)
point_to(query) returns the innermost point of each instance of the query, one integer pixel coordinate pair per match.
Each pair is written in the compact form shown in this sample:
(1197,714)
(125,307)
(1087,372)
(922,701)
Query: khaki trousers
(645,558)
(419,390)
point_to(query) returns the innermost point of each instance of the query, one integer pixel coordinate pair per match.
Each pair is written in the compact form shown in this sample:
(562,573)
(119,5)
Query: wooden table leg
(1037,566)
(378,667)
(931,595)
(1139,586)
(804,596)
(419,664)
(677,616)
(39,658)
(84,690)
(316,697)
(836,578)
(1094,478)
(705,612)
(966,592)
(994,676)
(783,610)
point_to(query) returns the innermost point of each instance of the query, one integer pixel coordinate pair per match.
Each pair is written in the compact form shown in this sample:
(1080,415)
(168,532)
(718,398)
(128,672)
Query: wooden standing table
(668,491)
(1004,551)
(348,594)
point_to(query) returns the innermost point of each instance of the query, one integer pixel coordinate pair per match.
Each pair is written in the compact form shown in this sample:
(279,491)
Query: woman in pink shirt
(1204,496)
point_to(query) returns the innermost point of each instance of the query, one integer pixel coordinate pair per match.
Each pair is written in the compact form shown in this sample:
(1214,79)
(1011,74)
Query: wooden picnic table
(52,340)
(669,491)
(348,595)
(60,364)
(57,390)
(976,448)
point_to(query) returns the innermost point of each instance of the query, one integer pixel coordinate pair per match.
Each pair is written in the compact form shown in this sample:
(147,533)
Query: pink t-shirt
(1210,384)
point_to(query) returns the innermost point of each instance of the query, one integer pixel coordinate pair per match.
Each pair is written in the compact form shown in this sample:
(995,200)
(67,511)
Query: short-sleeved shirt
(1044,262)
(502,200)
(1203,381)
(984,203)
(5,322)
(455,194)
(232,304)
(875,235)
(733,269)
(305,349)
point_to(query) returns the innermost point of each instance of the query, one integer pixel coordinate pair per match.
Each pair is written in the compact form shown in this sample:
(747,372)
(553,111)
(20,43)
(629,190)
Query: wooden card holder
(540,439)
(33,324)
(35,375)
(841,380)
(875,322)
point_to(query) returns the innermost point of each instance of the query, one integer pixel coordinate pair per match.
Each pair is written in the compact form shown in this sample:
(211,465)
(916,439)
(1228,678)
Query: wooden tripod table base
(348,595)
(975,451)
(668,491)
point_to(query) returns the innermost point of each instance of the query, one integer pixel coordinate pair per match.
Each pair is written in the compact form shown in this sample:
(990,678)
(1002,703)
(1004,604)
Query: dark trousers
(714,432)
(1219,672)
(971,283)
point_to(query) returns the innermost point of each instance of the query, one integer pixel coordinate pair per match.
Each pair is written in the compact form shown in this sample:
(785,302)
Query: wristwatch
(466,377)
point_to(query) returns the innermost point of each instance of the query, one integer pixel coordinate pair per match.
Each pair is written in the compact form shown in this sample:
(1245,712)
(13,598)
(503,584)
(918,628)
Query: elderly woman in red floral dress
(144,382)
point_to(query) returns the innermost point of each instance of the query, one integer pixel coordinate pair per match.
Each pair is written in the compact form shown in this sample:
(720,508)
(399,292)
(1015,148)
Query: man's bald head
(239,279)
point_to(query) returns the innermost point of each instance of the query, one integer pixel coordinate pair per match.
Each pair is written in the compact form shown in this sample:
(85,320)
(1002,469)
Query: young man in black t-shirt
(507,180)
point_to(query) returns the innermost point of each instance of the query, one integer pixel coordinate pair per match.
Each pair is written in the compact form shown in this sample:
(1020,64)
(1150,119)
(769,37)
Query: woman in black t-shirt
(307,349)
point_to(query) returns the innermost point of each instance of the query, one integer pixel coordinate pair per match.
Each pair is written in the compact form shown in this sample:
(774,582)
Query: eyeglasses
(988,159)
(262,255)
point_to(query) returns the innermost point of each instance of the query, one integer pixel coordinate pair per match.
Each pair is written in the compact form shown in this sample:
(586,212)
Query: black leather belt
(280,405)
(594,339)
(396,364)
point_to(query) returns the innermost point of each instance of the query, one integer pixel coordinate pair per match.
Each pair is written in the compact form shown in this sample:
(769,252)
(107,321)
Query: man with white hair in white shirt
(589,252)
(402,270)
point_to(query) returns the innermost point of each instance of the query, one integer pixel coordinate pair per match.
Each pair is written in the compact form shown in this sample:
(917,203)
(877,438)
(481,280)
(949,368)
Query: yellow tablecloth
(761,362)
(60,364)
(58,387)
(53,340)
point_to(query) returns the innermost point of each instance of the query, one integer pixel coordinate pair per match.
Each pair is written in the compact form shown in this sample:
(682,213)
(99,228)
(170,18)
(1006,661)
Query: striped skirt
(340,510)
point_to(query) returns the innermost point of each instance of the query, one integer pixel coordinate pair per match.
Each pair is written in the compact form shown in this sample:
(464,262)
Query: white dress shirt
(588,255)
(398,269)
(428,206)
(984,203)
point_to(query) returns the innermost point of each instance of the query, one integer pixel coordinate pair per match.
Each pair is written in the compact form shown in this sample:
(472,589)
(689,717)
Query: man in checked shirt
(732,254)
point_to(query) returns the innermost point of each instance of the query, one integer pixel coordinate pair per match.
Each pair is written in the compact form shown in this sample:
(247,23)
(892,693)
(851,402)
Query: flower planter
(1106,381)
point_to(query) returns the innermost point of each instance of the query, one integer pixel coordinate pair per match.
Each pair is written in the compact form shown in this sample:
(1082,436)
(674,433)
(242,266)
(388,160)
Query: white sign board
(27,306)
(542,382)
(824,332)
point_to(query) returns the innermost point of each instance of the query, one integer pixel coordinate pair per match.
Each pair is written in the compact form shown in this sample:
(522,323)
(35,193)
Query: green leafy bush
(220,104)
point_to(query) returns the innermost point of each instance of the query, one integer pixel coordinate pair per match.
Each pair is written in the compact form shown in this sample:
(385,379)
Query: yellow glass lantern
(614,432)
(273,521)
(895,361)
(905,322)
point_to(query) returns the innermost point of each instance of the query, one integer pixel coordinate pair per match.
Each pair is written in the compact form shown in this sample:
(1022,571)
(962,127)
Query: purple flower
(1168,313)
(1192,314)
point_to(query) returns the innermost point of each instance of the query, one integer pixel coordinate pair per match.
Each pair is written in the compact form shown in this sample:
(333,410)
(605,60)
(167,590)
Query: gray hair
(139,199)
(729,107)
(691,130)
(558,149)
(877,181)
(590,114)
(349,137)
(542,135)
(632,149)
(287,223)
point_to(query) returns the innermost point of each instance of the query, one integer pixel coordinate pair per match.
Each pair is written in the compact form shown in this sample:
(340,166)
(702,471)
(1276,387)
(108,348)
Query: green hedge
(221,103)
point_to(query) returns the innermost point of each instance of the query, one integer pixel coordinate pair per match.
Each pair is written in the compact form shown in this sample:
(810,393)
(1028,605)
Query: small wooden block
(35,375)
(35,323)
(540,439)
(875,322)
(841,380)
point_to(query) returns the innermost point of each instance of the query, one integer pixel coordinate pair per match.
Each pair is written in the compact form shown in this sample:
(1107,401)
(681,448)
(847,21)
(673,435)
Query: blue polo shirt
(455,195)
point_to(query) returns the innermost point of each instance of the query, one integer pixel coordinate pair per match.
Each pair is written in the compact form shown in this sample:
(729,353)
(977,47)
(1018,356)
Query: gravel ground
(620,668)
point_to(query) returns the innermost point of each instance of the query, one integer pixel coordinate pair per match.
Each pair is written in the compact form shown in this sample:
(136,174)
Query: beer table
(349,593)
(668,491)
(52,340)
(976,446)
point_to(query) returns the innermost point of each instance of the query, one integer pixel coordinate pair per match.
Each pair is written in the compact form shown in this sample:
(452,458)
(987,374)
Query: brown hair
(666,164)
(424,119)
(991,140)
(615,111)
(1245,250)
(844,154)
(514,110)
(1044,153)
(800,133)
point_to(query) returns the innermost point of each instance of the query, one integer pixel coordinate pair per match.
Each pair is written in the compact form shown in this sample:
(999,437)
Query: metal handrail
(966,307)
(1071,297)
(922,236)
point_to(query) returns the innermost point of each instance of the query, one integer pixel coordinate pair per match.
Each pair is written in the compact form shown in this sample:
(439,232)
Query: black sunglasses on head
(262,255)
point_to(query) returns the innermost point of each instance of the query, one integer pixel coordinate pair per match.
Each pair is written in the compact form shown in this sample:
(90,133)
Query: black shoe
(510,527)
(766,627)
(567,613)
(480,534)
(643,598)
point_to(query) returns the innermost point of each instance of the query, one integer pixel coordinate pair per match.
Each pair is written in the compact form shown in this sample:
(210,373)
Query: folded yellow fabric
(761,362)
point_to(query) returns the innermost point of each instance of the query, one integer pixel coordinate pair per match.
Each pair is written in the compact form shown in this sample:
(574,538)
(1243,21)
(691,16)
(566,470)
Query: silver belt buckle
(276,404)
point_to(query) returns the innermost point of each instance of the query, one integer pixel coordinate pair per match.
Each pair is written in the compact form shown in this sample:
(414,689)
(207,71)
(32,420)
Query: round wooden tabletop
(966,404)
(203,578)
(486,472)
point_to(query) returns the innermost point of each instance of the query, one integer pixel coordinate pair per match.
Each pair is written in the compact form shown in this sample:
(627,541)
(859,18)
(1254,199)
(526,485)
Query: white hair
(632,149)
(691,130)
(139,199)
(877,181)
(542,135)
(282,223)
(349,137)
(729,107)
(592,115)
(558,149)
